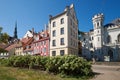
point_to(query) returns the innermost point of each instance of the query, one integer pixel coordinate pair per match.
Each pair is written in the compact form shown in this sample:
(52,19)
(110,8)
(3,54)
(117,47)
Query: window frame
(62,20)
(53,53)
(53,42)
(62,42)
(63,52)
(54,24)
(54,33)
(62,31)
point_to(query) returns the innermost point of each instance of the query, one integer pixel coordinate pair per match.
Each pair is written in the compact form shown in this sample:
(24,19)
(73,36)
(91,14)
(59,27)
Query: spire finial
(15,31)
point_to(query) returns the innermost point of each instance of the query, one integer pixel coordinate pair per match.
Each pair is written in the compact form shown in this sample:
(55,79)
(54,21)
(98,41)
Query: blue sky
(35,13)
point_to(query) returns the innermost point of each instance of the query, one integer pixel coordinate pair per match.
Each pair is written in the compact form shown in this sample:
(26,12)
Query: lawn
(10,73)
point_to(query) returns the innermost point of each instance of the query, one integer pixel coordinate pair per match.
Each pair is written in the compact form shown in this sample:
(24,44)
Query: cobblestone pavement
(104,72)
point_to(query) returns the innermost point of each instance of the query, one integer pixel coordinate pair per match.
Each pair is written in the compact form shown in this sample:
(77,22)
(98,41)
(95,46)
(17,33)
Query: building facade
(64,32)
(19,48)
(103,41)
(41,43)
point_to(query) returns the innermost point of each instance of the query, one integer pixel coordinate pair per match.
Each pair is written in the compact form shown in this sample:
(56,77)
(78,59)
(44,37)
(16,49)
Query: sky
(35,13)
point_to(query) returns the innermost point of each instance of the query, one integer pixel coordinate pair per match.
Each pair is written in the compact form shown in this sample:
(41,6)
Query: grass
(10,73)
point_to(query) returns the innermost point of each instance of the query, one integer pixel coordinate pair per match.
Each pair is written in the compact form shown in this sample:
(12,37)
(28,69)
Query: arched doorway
(110,53)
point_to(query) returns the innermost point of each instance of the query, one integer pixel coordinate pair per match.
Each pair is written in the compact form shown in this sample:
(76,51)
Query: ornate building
(103,41)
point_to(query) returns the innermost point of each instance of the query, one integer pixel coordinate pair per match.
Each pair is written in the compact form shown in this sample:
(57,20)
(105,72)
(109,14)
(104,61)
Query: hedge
(65,65)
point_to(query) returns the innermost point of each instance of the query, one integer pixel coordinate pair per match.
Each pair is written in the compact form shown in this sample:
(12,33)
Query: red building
(41,44)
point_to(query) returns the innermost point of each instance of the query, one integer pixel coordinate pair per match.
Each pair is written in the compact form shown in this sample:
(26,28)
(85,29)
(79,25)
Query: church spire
(15,31)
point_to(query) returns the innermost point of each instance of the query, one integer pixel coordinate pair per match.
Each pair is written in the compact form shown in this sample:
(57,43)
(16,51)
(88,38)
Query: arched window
(108,39)
(118,38)
(110,53)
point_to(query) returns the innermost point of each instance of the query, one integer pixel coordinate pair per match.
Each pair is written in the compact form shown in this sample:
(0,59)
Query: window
(44,42)
(70,21)
(54,24)
(98,38)
(62,52)
(54,33)
(44,50)
(118,38)
(53,53)
(98,24)
(71,31)
(71,41)
(53,43)
(108,39)
(62,21)
(91,45)
(98,31)
(62,41)
(62,31)
(92,37)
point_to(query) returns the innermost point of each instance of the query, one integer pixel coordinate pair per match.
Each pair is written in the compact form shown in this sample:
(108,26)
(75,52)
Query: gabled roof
(12,46)
(44,35)
(26,41)
(53,17)
(2,45)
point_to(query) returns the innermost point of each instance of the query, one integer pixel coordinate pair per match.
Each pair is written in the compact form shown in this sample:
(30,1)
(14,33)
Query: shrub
(54,63)
(64,65)
(74,65)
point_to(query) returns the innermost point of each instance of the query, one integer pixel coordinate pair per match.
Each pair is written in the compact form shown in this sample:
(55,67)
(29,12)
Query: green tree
(3,36)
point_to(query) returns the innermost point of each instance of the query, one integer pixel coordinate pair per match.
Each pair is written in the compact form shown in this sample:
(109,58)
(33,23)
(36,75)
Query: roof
(30,49)
(26,41)
(44,35)
(113,23)
(109,24)
(11,47)
(53,17)
(2,45)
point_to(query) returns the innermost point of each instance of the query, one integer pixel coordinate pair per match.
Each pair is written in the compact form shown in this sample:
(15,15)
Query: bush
(54,63)
(64,65)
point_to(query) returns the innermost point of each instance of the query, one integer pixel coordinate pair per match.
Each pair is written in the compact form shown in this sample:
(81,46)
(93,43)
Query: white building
(103,42)
(64,32)
(29,33)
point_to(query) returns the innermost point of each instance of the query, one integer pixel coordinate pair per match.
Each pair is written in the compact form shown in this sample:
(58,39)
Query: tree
(3,36)
(1,29)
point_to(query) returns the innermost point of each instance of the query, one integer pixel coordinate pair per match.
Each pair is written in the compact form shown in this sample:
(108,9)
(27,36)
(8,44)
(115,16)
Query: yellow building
(19,48)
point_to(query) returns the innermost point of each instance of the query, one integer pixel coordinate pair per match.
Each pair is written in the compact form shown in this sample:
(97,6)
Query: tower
(15,31)
(98,32)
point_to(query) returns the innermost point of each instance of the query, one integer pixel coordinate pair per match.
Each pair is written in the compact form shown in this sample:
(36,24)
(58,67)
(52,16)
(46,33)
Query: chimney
(50,16)
(33,31)
(67,8)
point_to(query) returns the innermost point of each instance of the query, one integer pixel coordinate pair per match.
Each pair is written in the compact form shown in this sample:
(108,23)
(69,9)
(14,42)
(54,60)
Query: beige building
(19,49)
(64,32)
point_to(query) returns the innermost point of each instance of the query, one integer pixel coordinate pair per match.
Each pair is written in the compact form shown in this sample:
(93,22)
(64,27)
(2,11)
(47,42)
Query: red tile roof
(11,47)
(27,41)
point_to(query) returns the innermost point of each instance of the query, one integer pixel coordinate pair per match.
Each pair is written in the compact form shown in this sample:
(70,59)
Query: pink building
(41,43)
